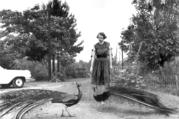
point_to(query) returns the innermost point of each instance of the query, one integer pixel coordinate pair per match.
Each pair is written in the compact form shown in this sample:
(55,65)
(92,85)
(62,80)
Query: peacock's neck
(79,94)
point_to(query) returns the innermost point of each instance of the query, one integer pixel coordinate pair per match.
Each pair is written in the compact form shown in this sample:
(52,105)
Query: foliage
(78,70)
(66,59)
(7,55)
(153,29)
(38,70)
(166,74)
(129,77)
(6,60)
(41,30)
(58,76)
(163,79)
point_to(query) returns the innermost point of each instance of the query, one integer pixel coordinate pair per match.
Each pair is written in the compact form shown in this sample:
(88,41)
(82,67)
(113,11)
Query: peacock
(27,99)
(137,96)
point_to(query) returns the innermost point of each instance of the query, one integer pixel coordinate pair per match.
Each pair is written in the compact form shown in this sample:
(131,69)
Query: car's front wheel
(18,82)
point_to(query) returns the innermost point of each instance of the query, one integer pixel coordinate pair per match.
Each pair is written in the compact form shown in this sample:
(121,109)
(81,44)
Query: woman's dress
(101,67)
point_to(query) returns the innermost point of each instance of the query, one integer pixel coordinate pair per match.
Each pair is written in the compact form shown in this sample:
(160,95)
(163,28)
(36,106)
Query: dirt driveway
(88,108)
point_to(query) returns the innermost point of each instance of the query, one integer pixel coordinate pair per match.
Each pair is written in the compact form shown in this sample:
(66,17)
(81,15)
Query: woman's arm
(92,59)
(110,57)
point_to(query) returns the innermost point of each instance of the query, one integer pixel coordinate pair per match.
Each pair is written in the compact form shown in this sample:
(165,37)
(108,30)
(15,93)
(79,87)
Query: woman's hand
(91,69)
(111,67)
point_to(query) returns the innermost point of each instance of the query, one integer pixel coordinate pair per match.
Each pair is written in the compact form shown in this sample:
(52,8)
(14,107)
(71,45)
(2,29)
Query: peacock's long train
(136,96)
(27,99)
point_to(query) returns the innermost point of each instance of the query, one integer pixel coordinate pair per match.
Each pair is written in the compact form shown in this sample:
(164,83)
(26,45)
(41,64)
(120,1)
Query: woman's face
(100,38)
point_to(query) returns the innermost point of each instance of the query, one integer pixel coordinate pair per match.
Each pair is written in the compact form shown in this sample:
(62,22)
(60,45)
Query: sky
(93,16)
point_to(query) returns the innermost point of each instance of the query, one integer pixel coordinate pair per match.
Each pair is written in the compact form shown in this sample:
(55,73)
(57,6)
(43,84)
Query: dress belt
(102,58)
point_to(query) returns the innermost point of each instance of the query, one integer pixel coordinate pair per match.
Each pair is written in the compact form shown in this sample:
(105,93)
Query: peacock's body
(30,98)
(137,96)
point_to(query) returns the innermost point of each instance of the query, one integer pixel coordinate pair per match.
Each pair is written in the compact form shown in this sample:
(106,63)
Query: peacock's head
(77,84)
(79,91)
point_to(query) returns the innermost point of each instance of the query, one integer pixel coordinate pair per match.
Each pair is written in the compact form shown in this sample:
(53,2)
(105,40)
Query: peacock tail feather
(138,96)
(27,99)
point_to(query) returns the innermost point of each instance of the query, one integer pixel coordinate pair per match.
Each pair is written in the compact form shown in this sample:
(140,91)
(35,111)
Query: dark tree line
(153,31)
(40,33)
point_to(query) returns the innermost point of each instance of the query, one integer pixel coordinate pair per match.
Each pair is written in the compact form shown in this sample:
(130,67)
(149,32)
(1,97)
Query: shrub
(58,76)
(129,77)
(75,71)
(38,70)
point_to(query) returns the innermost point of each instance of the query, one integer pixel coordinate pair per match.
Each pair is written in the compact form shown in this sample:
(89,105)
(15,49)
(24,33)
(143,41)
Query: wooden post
(122,58)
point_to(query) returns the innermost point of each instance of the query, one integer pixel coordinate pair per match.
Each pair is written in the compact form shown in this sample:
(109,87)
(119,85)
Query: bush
(38,70)
(166,74)
(74,71)
(130,80)
(58,76)
(129,77)
(70,71)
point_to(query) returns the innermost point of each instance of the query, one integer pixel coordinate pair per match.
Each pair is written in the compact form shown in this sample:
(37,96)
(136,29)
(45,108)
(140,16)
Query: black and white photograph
(89,59)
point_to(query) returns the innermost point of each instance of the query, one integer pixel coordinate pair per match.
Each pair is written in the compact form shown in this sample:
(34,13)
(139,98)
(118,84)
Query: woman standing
(101,64)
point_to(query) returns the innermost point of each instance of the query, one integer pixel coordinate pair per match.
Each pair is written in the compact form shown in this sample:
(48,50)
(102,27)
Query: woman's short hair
(101,34)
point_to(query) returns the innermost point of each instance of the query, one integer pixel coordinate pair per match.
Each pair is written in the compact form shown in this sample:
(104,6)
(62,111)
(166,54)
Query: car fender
(22,77)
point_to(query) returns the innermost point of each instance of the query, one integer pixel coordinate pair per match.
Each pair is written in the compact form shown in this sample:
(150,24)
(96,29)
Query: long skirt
(101,75)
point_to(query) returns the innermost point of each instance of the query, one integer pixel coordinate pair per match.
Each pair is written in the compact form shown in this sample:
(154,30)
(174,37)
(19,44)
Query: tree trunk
(49,67)
(58,63)
(53,64)
(122,58)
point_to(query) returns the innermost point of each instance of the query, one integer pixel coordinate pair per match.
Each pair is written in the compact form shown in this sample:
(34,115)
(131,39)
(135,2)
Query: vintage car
(15,78)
